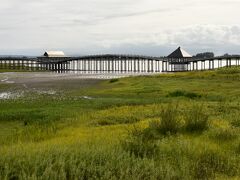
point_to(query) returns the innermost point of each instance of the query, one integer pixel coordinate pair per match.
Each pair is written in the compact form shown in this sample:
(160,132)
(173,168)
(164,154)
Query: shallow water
(5,95)
(10,95)
(41,92)
(6,80)
(86,97)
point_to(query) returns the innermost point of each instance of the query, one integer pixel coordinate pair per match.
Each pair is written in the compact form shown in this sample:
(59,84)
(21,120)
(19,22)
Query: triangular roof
(179,53)
(54,54)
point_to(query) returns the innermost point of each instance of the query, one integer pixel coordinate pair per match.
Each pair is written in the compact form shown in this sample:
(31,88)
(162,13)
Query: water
(10,95)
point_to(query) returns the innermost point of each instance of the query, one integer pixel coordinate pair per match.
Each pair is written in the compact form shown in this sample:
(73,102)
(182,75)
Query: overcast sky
(150,27)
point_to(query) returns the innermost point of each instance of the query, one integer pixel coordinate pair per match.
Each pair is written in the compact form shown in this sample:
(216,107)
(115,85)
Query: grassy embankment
(175,126)
(11,68)
(21,70)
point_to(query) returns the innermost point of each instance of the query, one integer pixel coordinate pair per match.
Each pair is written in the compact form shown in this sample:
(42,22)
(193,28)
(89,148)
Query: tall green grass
(196,119)
(133,128)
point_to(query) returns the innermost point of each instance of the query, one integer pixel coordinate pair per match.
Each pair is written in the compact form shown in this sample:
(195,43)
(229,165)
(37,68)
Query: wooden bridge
(117,63)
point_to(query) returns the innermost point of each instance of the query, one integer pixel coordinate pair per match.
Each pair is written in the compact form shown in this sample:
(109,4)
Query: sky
(145,27)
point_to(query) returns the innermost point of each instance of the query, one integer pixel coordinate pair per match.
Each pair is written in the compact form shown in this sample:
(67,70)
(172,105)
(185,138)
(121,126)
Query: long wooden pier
(117,63)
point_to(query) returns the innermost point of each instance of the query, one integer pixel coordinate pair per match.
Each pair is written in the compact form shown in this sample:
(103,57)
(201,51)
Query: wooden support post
(89,65)
(130,65)
(100,65)
(121,65)
(153,70)
(148,66)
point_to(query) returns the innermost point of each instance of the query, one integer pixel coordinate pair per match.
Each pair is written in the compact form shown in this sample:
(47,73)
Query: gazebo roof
(179,53)
(54,54)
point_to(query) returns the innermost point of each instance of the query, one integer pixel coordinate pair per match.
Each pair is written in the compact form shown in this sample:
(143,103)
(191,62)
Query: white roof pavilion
(54,54)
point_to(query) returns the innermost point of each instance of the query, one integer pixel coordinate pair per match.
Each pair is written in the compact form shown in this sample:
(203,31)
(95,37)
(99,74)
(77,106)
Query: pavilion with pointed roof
(53,54)
(179,53)
(179,59)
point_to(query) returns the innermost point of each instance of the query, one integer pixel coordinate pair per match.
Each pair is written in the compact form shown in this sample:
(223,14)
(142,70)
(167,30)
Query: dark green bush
(181,93)
(176,93)
(192,95)
(114,80)
(110,120)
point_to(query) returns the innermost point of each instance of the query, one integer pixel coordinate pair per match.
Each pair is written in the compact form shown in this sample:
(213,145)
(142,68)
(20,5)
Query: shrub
(114,80)
(196,119)
(181,93)
(192,95)
(111,120)
(177,93)
(169,123)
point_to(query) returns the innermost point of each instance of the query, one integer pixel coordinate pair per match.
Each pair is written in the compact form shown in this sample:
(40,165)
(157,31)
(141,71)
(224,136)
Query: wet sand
(38,77)
(28,77)
(50,83)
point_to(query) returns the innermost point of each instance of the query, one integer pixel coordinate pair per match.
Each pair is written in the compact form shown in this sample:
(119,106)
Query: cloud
(113,25)
(204,35)
(207,35)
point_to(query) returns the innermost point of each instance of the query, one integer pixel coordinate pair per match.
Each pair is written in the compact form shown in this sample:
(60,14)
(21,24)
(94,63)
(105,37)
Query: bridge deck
(117,63)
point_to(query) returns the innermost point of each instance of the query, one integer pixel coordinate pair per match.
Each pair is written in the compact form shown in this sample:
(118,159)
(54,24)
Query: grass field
(170,126)
(16,69)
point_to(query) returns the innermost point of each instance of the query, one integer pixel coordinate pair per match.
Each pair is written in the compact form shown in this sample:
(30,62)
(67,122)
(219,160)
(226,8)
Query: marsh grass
(169,122)
(237,147)
(84,162)
(117,120)
(64,136)
(235,119)
(196,119)
(20,70)
(127,114)
(211,162)
(173,119)
(140,143)
(232,70)
(223,133)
